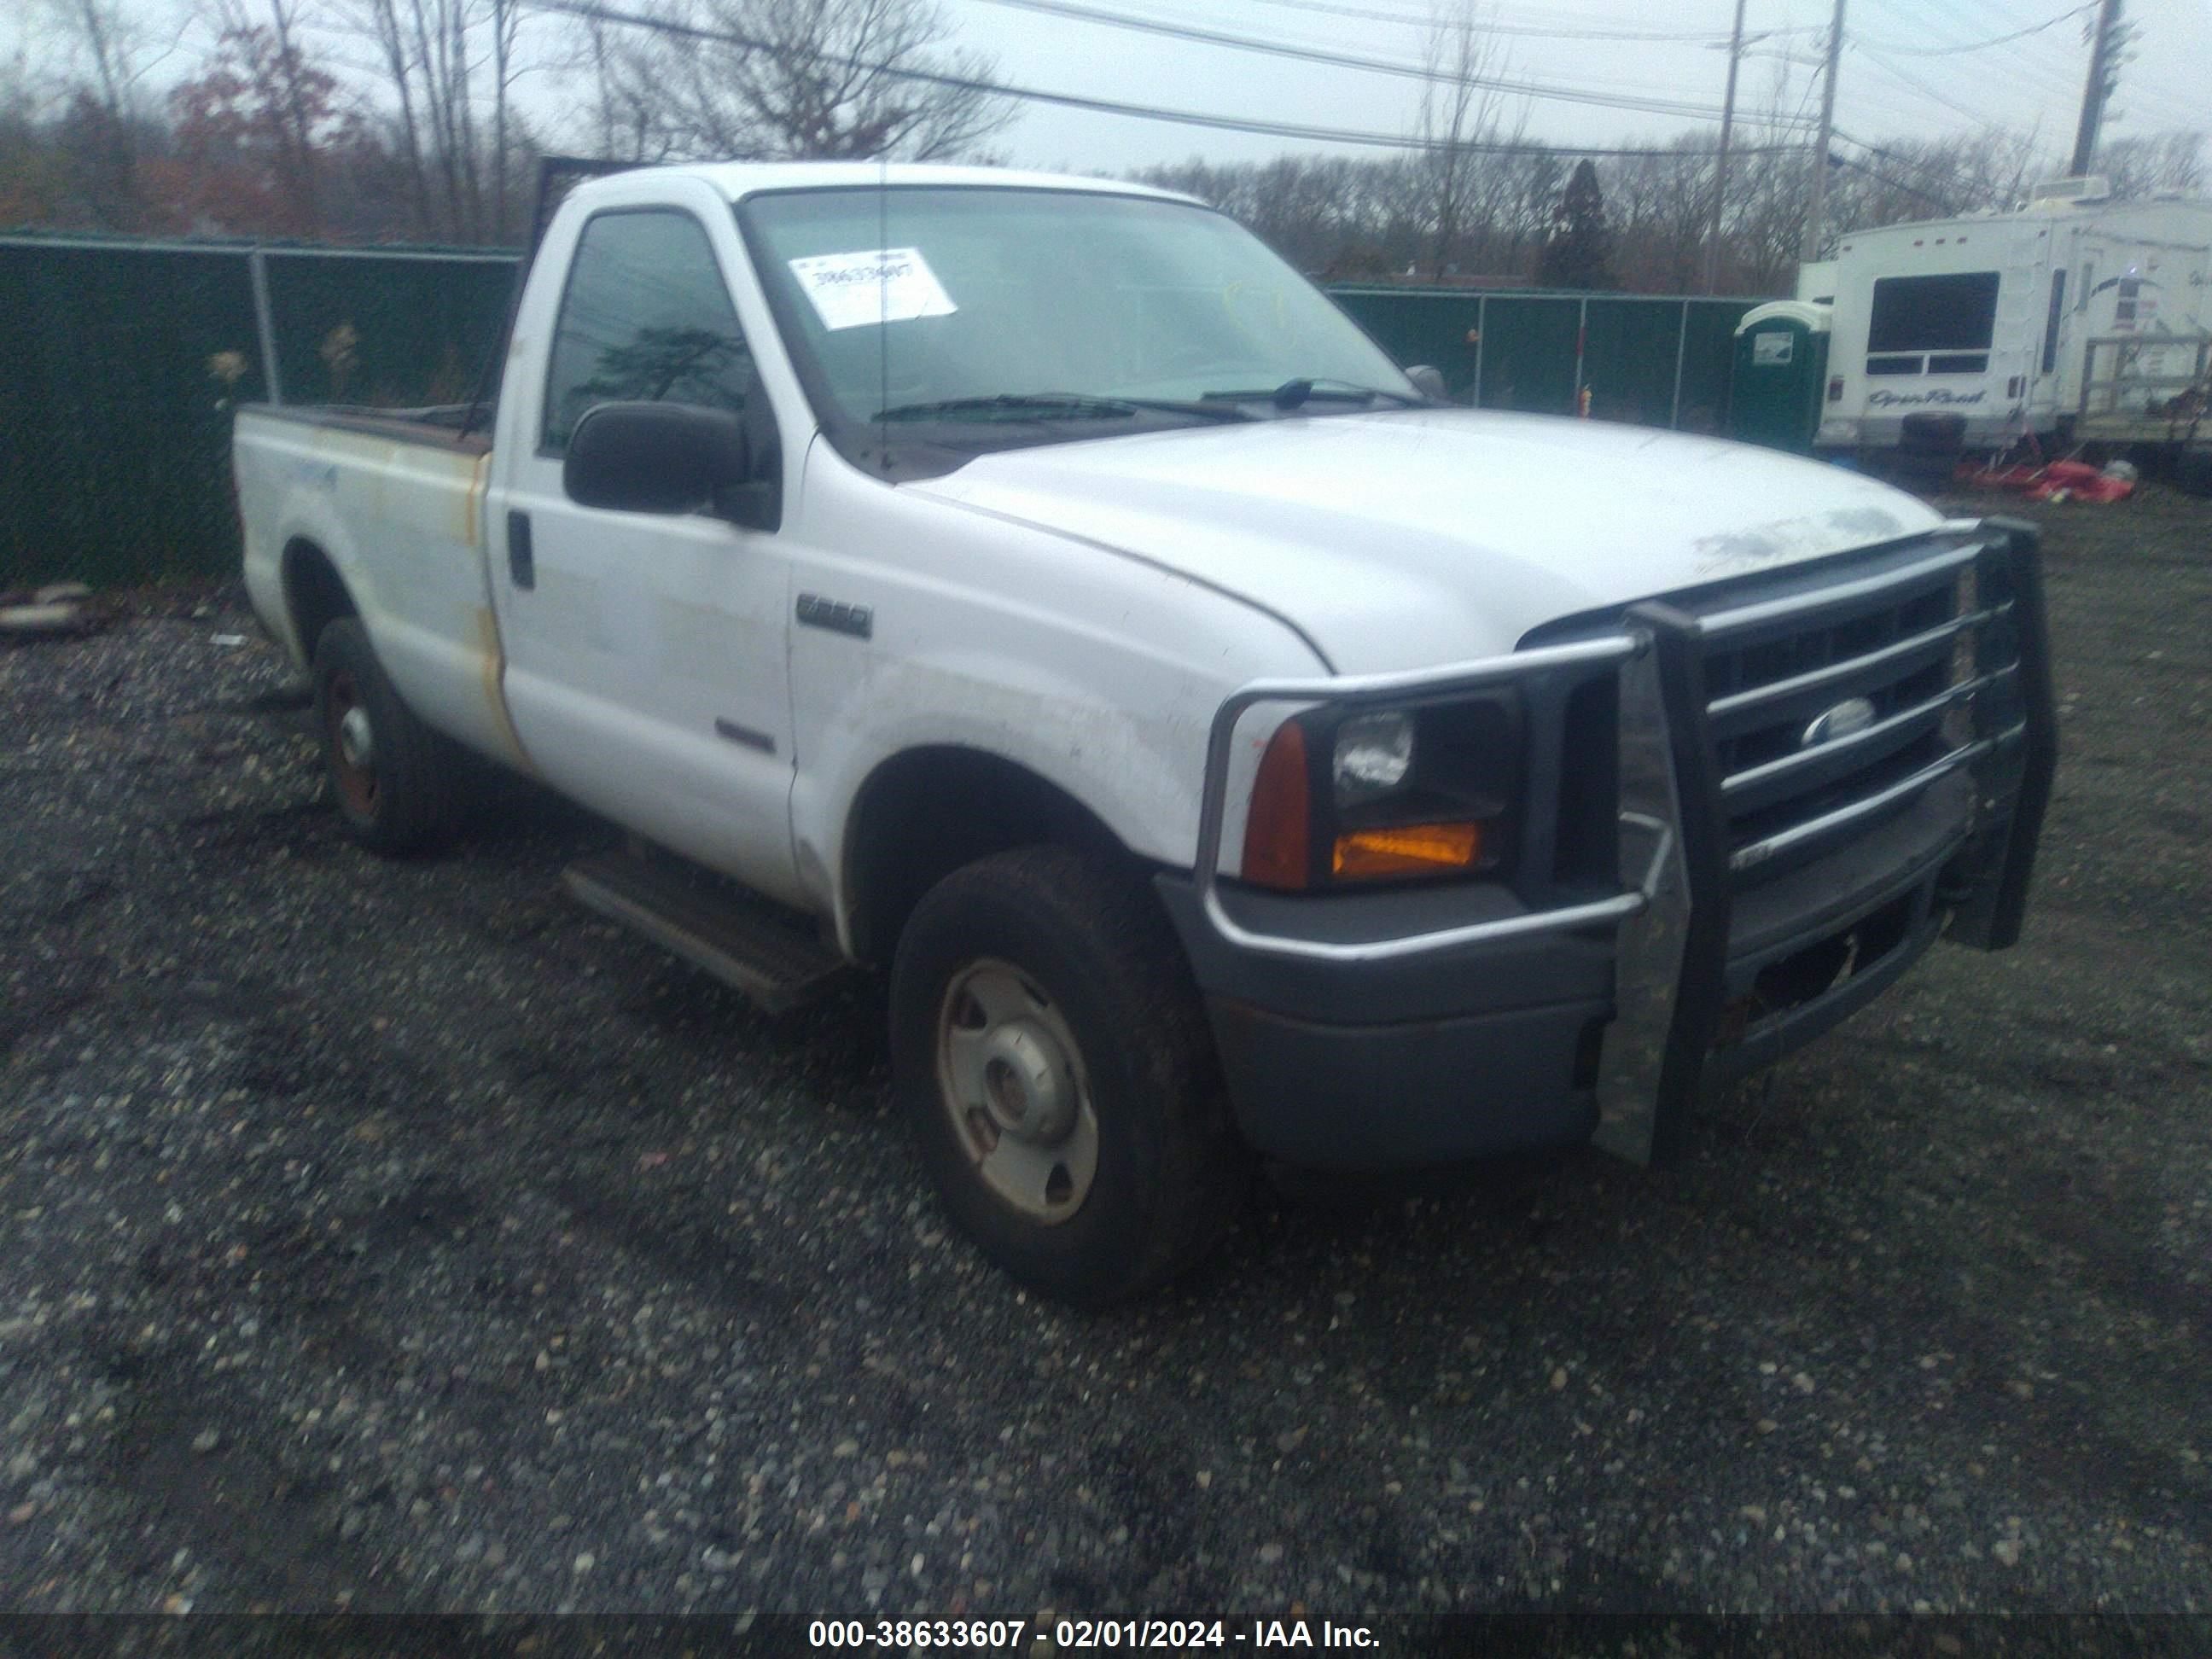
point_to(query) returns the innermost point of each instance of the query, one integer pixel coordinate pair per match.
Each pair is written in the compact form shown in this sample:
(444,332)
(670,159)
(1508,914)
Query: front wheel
(1054,1067)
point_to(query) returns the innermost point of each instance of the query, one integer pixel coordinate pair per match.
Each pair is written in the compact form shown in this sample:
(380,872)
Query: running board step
(772,962)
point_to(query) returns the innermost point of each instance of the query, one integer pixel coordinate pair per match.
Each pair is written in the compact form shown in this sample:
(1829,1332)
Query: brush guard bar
(1669,913)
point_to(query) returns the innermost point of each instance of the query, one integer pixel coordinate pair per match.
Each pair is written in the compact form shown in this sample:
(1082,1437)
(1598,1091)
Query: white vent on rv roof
(2082,189)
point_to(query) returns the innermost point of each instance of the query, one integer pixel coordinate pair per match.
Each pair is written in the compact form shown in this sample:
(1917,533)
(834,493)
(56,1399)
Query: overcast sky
(1895,81)
(1913,68)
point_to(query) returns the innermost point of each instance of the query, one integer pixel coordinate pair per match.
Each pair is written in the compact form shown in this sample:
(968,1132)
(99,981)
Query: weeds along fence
(121,361)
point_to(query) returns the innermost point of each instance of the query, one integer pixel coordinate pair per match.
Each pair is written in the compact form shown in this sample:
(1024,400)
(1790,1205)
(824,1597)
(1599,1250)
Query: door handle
(521,564)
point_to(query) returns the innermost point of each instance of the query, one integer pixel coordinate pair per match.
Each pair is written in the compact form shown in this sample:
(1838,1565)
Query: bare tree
(761,79)
(264,37)
(2156,165)
(449,69)
(113,46)
(1461,120)
(381,21)
(1661,205)
(108,49)
(628,112)
(505,18)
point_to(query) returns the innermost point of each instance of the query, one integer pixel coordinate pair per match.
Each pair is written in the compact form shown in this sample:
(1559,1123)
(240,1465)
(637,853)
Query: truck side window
(646,317)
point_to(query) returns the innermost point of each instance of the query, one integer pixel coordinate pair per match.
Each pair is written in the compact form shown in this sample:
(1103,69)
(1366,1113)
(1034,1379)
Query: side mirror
(659,458)
(1429,381)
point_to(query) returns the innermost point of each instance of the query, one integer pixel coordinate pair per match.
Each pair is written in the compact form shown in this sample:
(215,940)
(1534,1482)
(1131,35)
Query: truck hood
(1406,538)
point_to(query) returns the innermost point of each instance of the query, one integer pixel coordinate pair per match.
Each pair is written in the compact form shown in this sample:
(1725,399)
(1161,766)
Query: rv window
(1894,365)
(1963,362)
(2050,326)
(1934,314)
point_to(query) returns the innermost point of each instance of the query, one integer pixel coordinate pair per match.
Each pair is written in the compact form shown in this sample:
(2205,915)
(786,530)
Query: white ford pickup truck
(1034,588)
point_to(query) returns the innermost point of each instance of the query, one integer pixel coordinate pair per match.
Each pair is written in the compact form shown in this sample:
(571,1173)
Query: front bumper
(1388,1029)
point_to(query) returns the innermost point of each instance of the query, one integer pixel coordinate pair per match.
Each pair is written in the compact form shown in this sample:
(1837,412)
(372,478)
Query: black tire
(1927,434)
(1089,943)
(410,788)
(1929,447)
(2192,472)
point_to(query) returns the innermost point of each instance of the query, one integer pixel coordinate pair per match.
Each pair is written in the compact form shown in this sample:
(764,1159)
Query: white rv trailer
(2075,317)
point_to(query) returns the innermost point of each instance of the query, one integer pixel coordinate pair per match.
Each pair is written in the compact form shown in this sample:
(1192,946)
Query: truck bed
(392,499)
(438,424)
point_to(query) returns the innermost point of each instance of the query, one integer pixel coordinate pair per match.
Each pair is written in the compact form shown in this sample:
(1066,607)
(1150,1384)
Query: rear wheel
(399,787)
(1054,1067)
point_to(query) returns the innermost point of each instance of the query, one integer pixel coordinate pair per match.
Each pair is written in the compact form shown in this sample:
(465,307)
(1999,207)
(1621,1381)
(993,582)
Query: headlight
(1374,753)
(1347,797)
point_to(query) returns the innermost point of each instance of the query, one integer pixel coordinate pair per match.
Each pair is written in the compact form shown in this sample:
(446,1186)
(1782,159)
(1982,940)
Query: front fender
(1136,773)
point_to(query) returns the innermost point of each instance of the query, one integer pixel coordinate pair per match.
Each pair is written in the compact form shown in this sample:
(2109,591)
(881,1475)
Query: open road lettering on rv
(1896,399)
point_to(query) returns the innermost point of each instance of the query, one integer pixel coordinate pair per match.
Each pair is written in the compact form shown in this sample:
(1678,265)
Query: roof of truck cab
(738,180)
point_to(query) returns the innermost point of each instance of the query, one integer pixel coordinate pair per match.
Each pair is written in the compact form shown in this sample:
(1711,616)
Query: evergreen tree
(1579,253)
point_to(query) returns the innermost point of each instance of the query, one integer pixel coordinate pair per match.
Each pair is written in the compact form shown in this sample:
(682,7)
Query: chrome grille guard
(1670,911)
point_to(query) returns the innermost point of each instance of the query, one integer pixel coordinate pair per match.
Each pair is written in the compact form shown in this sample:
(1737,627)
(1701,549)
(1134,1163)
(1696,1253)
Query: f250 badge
(836,616)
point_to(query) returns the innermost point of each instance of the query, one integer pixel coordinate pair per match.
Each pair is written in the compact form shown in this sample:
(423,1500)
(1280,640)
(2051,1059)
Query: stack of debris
(2060,481)
(56,608)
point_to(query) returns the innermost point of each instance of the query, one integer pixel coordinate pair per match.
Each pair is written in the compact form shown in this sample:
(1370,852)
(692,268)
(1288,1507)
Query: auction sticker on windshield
(877,285)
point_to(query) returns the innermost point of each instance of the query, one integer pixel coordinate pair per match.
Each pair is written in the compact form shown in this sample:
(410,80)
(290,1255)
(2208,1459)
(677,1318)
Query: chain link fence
(121,362)
(1647,360)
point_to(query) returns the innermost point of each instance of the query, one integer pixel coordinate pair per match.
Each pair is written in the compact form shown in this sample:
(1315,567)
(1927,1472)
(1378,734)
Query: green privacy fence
(1648,361)
(112,436)
(121,361)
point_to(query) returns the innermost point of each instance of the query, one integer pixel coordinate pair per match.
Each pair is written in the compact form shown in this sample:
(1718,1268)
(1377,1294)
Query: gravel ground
(397,1236)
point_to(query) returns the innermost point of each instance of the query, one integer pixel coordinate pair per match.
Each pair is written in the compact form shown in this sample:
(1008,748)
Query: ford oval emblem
(1850,716)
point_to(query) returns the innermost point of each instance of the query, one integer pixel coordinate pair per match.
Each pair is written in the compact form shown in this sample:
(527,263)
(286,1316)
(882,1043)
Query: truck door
(644,654)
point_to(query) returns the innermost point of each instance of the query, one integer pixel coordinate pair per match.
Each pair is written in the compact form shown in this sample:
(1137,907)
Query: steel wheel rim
(1011,1079)
(352,745)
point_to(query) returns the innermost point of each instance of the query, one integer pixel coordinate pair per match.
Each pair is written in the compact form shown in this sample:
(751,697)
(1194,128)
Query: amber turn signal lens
(1425,849)
(1278,827)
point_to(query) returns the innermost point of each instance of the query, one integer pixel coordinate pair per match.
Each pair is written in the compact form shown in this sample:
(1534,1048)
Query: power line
(1113,107)
(1409,20)
(2024,62)
(2053,69)
(1918,85)
(1915,162)
(1982,46)
(1899,185)
(1374,65)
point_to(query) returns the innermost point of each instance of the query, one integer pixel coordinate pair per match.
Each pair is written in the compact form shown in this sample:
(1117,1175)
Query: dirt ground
(397,1236)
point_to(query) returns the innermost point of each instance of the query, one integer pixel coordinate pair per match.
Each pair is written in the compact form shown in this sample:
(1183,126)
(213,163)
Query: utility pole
(1720,162)
(1810,250)
(2093,95)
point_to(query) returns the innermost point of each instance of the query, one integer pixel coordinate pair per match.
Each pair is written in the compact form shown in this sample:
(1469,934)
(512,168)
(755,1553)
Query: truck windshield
(980,318)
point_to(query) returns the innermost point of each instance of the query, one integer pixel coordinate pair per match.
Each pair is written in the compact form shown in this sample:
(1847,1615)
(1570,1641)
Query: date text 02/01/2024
(1011,1635)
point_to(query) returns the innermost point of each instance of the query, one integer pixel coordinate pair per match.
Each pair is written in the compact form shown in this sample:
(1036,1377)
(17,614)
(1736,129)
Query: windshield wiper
(1053,406)
(1292,394)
